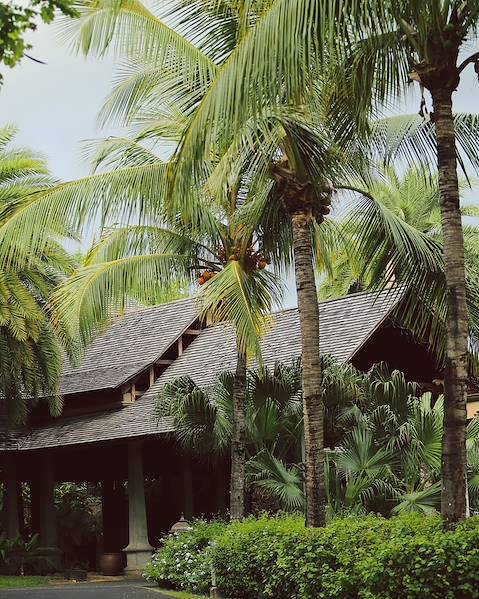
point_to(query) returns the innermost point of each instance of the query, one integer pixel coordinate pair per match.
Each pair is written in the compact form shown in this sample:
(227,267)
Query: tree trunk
(312,402)
(237,483)
(454,473)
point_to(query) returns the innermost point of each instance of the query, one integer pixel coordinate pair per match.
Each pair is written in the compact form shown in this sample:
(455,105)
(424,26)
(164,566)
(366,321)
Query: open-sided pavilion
(108,432)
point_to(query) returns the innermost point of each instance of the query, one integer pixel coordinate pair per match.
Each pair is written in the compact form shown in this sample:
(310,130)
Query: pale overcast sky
(55,106)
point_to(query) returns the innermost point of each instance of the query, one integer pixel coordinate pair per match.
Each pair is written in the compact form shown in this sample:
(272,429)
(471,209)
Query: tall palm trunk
(237,482)
(313,409)
(454,481)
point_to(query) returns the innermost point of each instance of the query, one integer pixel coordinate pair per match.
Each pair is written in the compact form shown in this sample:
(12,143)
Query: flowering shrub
(368,557)
(184,561)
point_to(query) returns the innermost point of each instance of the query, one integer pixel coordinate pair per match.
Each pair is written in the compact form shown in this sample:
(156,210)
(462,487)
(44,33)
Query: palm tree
(30,337)
(175,68)
(280,132)
(397,42)
(219,250)
(274,69)
(412,197)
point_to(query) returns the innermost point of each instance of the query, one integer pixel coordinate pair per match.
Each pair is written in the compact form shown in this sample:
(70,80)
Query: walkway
(85,591)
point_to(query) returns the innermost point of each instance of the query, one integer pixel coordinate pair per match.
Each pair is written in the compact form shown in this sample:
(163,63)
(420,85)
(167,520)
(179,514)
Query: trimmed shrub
(352,558)
(184,560)
(369,557)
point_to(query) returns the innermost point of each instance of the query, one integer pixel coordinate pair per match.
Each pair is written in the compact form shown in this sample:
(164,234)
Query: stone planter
(111,564)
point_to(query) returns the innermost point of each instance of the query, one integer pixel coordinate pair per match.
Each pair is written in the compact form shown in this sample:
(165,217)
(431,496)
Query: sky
(55,106)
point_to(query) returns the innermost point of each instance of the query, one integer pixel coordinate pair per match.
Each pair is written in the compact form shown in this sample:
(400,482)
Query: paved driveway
(85,591)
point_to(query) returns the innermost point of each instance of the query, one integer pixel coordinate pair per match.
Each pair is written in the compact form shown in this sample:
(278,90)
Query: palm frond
(243,298)
(283,483)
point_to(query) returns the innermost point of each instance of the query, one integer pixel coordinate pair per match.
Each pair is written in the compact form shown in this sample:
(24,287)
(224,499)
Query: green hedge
(352,558)
(368,558)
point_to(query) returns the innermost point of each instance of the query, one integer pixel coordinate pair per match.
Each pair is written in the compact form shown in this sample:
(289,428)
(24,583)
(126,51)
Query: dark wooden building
(108,433)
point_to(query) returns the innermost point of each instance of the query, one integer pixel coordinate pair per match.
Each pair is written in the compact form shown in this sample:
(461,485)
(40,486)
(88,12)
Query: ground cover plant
(15,582)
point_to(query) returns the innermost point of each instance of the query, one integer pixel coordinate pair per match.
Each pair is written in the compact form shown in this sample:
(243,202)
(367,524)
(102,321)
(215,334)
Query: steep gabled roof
(129,345)
(346,324)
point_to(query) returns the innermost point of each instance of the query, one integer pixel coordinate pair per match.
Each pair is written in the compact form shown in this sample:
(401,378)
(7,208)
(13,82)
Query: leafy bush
(367,558)
(78,508)
(18,556)
(184,561)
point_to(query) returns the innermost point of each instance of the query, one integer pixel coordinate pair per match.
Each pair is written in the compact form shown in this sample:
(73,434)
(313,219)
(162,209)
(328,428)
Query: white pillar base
(138,551)
(137,558)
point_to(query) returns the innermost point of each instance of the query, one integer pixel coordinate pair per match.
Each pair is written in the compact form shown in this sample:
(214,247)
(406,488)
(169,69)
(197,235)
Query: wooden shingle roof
(129,345)
(346,324)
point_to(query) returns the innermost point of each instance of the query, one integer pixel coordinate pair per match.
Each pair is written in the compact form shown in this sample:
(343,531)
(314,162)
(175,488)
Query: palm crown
(31,338)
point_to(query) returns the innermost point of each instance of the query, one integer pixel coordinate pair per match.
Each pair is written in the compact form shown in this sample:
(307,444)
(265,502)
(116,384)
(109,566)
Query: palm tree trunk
(454,481)
(237,482)
(312,402)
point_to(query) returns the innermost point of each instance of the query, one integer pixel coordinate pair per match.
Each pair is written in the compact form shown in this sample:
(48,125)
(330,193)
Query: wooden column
(35,501)
(44,517)
(48,517)
(12,520)
(107,511)
(138,551)
(187,487)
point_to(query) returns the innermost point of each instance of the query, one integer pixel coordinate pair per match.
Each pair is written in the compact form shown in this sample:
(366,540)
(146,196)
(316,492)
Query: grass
(12,582)
(180,594)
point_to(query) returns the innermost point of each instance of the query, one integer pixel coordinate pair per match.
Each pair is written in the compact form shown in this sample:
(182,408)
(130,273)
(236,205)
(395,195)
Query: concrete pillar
(12,520)
(138,551)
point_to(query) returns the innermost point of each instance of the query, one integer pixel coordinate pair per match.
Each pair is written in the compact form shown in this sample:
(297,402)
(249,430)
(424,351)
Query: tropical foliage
(273,416)
(273,155)
(31,337)
(395,42)
(18,556)
(391,234)
(385,437)
(291,122)
(411,197)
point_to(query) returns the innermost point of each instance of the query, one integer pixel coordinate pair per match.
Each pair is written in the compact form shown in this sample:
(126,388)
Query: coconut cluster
(254,260)
(205,276)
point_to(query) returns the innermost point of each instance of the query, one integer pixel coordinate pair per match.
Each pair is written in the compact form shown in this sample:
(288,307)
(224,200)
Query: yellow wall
(472,407)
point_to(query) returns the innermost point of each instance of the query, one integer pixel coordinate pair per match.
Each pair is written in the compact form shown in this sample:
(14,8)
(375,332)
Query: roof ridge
(343,298)
(392,290)
(139,308)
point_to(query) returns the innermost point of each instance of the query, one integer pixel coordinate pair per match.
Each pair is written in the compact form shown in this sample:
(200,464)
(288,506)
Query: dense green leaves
(351,558)
(184,560)
(31,337)
(391,234)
